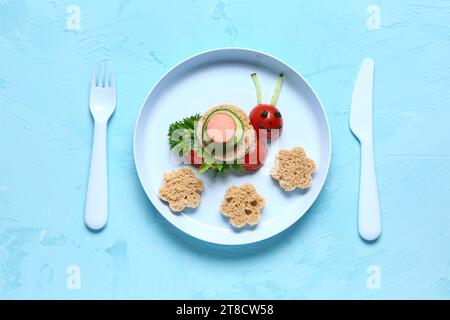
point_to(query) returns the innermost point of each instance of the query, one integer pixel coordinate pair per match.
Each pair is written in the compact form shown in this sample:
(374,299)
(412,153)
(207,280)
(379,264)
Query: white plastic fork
(102,103)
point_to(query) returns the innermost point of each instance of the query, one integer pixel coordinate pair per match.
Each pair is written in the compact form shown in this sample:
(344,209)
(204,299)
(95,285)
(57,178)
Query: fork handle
(369,217)
(96,211)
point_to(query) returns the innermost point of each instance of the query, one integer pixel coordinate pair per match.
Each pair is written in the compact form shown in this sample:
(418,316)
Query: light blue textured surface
(46,133)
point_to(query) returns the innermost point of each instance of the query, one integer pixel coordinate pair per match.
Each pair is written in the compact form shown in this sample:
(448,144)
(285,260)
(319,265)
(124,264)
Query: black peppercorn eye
(277,114)
(264,114)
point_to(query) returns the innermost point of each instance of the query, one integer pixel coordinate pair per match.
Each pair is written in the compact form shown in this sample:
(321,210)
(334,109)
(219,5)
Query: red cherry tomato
(193,158)
(267,121)
(256,158)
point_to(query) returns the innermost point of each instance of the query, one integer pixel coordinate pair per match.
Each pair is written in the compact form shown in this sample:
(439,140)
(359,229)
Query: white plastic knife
(361,124)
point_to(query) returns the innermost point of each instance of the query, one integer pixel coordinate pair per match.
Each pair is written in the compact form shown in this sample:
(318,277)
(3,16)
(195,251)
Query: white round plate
(223,76)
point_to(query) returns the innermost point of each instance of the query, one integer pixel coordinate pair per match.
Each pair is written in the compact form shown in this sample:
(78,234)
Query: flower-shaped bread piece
(242,205)
(181,189)
(293,169)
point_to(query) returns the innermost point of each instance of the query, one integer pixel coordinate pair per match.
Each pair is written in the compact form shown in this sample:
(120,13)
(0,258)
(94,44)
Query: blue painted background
(46,132)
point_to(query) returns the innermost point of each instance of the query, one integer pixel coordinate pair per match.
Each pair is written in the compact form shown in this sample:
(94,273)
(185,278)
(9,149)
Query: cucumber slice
(239,131)
(276,92)
(258,88)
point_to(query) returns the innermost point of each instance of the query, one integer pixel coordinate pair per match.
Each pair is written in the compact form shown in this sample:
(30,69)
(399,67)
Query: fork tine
(105,76)
(100,76)
(112,80)
(105,68)
(104,73)
(94,79)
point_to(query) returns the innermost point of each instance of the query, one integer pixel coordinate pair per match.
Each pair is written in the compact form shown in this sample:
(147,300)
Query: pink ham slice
(221,127)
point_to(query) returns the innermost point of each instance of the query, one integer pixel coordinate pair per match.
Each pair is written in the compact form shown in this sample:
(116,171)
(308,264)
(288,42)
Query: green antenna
(258,88)
(276,93)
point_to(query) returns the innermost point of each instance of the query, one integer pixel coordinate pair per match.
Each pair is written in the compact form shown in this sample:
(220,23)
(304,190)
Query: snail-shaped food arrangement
(226,138)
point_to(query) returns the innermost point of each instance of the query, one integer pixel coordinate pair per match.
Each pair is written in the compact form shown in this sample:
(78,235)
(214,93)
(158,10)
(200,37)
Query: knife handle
(369,217)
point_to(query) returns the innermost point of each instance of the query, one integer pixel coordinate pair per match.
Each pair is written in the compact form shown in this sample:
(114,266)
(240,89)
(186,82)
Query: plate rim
(211,51)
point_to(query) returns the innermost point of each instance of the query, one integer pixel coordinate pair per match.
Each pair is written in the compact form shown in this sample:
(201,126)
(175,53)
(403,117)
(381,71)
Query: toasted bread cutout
(181,189)
(242,205)
(293,169)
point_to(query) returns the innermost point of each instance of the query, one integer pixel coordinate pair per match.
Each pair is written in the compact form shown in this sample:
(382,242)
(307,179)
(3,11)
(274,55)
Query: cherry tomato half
(256,158)
(194,159)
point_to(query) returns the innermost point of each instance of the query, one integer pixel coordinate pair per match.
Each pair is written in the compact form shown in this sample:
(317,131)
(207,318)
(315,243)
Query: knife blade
(361,124)
(361,105)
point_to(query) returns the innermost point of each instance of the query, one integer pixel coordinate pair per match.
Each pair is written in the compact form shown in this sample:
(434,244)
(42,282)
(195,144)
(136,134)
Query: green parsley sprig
(183,139)
(182,134)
